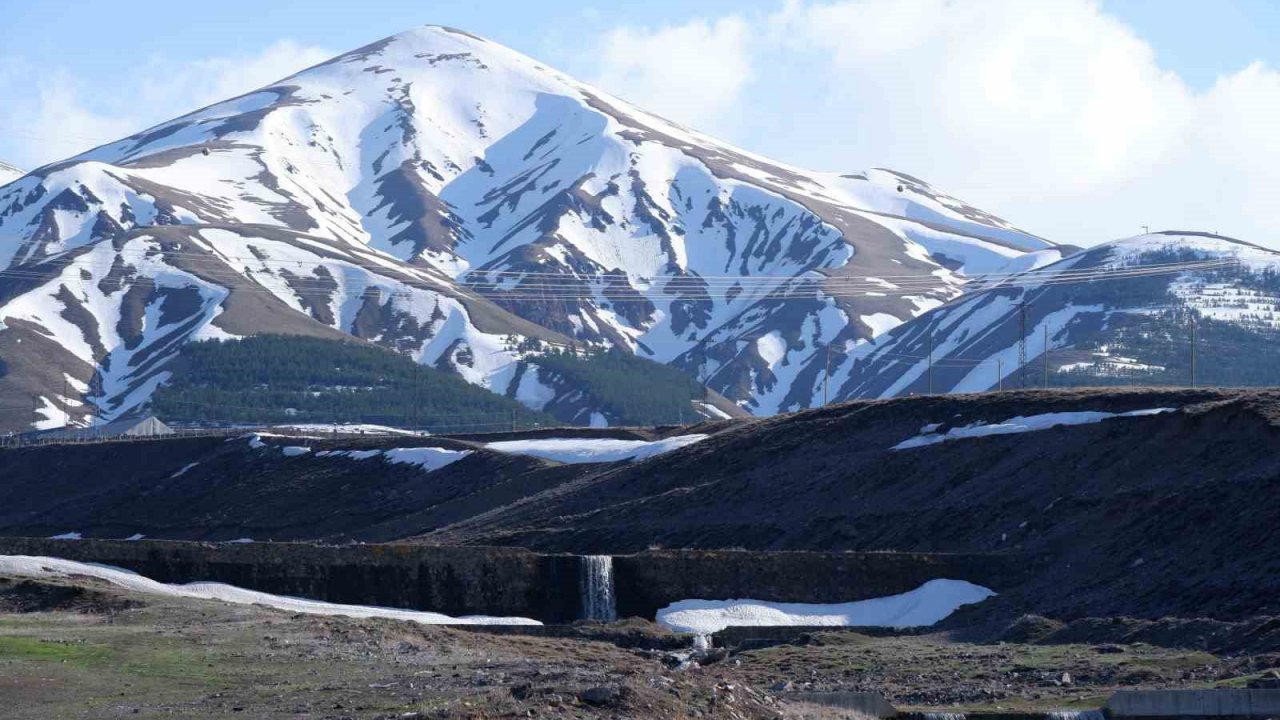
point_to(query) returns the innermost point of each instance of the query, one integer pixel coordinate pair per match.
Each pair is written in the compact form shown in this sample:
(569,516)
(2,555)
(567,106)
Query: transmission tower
(1022,343)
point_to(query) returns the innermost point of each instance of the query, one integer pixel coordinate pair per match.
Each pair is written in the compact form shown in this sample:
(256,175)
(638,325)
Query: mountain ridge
(447,197)
(1076,312)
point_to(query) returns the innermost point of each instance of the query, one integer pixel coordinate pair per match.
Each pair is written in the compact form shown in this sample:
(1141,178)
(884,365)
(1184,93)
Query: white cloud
(59,117)
(690,72)
(204,82)
(63,125)
(1054,114)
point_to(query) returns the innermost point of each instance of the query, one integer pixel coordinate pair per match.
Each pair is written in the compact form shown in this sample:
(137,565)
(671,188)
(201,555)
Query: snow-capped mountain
(1120,310)
(452,199)
(9,173)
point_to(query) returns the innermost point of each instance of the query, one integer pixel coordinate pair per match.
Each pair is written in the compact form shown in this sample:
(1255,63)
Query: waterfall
(597,588)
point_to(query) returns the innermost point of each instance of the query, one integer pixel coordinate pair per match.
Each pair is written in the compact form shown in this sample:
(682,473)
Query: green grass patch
(17,647)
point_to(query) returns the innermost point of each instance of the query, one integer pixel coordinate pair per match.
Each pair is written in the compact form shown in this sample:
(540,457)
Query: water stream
(598,602)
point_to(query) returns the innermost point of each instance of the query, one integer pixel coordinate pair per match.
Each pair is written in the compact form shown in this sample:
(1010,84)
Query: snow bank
(350,454)
(923,606)
(427,458)
(184,470)
(295,450)
(66,536)
(711,412)
(592,450)
(353,429)
(47,567)
(1031,423)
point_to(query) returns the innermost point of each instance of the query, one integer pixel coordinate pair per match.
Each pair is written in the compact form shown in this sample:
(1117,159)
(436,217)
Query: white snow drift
(926,605)
(47,567)
(427,458)
(592,450)
(1031,423)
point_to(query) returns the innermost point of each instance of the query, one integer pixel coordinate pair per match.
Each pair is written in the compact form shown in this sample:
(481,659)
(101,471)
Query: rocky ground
(84,649)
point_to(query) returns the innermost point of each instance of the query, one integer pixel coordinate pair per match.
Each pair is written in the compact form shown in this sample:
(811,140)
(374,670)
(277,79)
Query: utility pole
(826,379)
(1046,356)
(1022,344)
(1146,229)
(999,374)
(930,363)
(1193,352)
(417,400)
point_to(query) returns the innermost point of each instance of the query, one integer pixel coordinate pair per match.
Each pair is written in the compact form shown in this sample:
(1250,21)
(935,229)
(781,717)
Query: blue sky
(96,40)
(811,82)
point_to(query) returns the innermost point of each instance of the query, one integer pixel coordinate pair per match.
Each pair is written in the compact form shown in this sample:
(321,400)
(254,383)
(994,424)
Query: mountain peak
(459,202)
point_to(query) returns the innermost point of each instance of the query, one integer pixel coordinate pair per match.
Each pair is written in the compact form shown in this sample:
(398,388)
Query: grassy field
(109,654)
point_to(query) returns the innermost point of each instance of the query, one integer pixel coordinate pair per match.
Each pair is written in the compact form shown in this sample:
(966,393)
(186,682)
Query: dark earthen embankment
(516,582)
(451,580)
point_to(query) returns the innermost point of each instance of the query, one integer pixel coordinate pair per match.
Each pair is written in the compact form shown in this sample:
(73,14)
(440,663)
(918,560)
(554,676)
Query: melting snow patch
(350,454)
(711,412)
(772,348)
(1031,423)
(592,450)
(66,536)
(353,429)
(926,605)
(880,323)
(46,567)
(427,458)
(135,536)
(295,450)
(184,470)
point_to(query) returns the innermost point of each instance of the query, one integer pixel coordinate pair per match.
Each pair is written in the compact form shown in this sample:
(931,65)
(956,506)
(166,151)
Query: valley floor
(79,648)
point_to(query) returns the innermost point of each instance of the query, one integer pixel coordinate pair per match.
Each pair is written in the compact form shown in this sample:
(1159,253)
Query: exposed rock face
(446,197)
(454,581)
(514,582)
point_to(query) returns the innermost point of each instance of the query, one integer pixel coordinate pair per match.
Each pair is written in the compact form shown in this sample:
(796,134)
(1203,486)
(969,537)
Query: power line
(776,287)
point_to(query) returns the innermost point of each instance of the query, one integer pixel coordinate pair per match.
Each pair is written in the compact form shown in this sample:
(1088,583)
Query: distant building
(137,427)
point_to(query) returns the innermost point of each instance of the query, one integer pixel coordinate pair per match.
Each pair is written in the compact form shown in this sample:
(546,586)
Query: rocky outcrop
(515,582)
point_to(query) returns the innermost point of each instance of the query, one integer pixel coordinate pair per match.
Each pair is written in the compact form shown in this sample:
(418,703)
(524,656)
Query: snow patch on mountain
(930,435)
(973,343)
(592,450)
(426,458)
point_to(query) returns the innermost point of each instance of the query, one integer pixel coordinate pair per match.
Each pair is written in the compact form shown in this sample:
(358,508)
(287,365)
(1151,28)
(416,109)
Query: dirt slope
(1172,513)
(1169,514)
